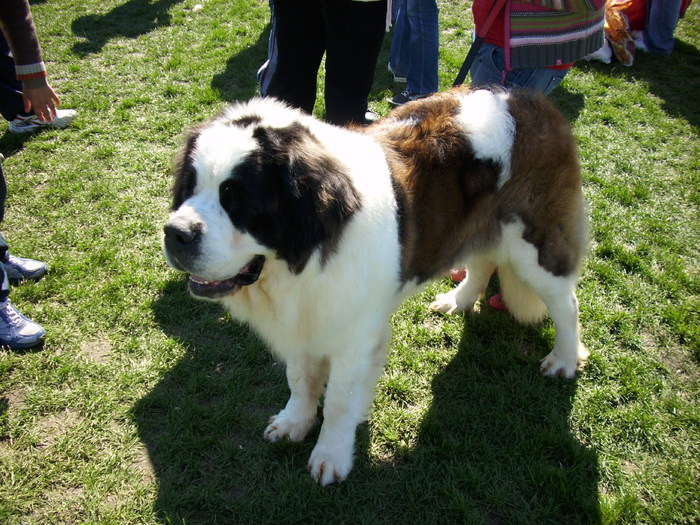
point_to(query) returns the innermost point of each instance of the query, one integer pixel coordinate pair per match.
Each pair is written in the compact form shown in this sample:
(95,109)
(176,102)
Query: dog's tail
(521,300)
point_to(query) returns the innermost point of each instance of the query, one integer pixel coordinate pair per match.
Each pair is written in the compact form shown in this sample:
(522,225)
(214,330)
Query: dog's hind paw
(281,426)
(445,303)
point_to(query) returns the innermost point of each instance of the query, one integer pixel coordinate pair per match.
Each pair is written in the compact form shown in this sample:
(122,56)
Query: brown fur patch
(545,185)
(445,193)
(448,200)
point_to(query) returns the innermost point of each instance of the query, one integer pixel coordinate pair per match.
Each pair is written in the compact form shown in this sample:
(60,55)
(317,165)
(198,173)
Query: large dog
(313,235)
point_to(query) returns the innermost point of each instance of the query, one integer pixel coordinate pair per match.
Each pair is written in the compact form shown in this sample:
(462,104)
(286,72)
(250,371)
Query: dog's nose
(182,242)
(179,234)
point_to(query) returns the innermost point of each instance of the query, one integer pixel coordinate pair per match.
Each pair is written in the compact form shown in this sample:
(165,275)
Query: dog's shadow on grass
(495,445)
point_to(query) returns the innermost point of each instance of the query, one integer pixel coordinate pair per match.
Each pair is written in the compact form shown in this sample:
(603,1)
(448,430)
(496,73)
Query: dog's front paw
(282,426)
(329,466)
(445,303)
(557,366)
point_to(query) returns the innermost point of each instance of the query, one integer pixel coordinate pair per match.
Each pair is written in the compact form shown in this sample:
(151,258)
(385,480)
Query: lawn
(146,406)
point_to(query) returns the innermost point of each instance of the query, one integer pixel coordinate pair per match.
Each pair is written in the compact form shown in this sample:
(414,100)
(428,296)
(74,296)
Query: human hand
(42,100)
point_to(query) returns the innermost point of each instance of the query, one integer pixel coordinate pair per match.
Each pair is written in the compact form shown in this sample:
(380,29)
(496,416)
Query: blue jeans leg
(400,42)
(662,18)
(415,46)
(489,69)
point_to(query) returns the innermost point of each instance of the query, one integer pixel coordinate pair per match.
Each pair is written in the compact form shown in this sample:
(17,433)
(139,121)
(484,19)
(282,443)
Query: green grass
(145,406)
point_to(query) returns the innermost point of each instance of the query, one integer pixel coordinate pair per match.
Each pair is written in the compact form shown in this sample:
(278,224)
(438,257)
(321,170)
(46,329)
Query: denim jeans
(489,68)
(414,47)
(662,18)
(4,283)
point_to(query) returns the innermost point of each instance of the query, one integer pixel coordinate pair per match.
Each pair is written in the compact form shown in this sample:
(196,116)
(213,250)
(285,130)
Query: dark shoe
(16,331)
(406,96)
(20,269)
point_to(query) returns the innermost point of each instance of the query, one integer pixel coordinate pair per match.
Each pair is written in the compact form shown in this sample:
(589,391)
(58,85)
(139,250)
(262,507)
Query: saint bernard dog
(313,235)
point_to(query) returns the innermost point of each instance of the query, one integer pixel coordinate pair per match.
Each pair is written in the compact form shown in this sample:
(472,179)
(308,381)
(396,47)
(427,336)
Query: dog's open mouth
(215,289)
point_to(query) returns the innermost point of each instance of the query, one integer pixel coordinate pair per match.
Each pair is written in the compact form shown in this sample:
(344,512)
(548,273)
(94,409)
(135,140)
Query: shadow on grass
(202,425)
(238,81)
(11,143)
(674,79)
(130,19)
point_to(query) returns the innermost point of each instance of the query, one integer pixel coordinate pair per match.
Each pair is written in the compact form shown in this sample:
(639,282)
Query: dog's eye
(229,189)
(234,198)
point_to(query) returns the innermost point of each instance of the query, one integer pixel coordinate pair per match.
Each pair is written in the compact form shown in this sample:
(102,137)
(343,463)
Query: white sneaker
(16,331)
(638,39)
(63,119)
(604,54)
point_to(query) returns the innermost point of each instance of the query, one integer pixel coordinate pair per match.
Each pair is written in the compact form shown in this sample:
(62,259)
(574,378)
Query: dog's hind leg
(353,377)
(463,297)
(306,376)
(559,296)
(568,354)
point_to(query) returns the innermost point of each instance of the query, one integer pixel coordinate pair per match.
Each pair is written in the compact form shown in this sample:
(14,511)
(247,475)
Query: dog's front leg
(306,376)
(353,378)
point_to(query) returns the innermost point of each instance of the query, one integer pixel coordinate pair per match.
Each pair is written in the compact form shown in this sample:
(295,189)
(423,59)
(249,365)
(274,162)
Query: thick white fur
(329,322)
(490,126)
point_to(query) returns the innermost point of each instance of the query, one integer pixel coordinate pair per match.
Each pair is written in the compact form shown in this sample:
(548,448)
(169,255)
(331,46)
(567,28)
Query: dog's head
(251,184)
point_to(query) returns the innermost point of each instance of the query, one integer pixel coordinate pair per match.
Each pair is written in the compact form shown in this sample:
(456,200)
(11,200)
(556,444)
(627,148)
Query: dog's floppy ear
(314,193)
(183,170)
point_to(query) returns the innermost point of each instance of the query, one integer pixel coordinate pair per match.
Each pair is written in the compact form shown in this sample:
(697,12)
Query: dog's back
(466,162)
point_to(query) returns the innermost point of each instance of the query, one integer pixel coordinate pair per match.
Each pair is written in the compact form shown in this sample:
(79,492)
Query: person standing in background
(661,21)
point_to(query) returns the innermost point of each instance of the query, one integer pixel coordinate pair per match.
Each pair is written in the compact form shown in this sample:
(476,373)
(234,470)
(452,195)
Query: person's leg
(11,99)
(488,67)
(540,79)
(268,68)
(5,284)
(422,73)
(300,47)
(400,42)
(16,331)
(662,18)
(354,35)
(15,269)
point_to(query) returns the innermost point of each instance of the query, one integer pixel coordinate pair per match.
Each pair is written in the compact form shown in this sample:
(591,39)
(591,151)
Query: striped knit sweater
(18,28)
(553,32)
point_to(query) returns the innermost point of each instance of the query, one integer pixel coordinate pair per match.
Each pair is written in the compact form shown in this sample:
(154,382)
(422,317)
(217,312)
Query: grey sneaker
(63,119)
(406,96)
(20,269)
(16,331)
